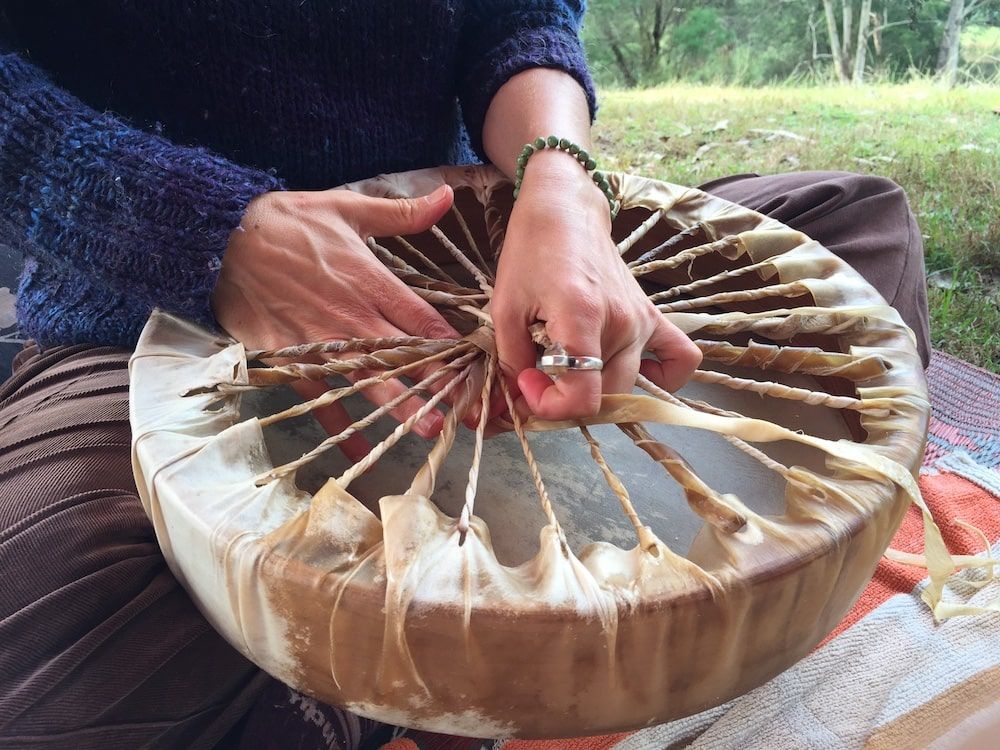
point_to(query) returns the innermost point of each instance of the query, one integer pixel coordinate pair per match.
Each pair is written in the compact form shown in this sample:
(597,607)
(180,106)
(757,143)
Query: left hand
(559,265)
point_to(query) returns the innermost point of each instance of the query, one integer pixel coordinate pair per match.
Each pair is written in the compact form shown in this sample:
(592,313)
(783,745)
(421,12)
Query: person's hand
(298,270)
(559,265)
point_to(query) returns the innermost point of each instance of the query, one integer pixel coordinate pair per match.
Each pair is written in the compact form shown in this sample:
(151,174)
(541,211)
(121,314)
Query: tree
(947,65)
(870,27)
(635,34)
(959,13)
(698,36)
(908,36)
(754,42)
(837,52)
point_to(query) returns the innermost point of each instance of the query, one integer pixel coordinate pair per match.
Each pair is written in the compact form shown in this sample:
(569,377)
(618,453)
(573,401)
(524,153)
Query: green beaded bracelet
(561,144)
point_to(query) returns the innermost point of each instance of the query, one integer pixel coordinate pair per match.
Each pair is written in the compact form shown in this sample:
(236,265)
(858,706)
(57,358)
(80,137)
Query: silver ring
(558,363)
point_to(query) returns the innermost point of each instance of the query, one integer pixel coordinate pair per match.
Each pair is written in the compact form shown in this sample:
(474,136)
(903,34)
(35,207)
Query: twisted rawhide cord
(619,490)
(787,291)
(794,359)
(472,367)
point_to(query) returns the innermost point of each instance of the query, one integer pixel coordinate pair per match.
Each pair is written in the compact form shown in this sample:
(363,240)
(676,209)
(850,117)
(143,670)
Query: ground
(942,146)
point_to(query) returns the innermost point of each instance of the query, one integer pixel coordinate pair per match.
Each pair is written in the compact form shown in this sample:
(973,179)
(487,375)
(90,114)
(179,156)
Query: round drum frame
(431,630)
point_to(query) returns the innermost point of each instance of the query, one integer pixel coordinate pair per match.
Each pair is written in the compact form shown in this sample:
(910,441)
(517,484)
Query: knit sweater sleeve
(115,206)
(503,38)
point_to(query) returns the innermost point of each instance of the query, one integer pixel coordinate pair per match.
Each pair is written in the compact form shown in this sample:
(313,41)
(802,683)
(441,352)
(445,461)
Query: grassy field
(942,147)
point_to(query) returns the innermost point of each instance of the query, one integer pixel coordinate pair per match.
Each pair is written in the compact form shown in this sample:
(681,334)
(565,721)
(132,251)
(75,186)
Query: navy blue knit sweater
(133,133)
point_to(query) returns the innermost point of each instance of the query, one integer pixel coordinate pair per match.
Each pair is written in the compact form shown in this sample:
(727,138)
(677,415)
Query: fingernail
(437,195)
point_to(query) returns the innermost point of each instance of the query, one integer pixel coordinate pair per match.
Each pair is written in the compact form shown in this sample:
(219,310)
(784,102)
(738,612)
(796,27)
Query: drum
(561,578)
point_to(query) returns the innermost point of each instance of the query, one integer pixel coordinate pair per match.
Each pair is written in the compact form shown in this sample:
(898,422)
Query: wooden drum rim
(675,652)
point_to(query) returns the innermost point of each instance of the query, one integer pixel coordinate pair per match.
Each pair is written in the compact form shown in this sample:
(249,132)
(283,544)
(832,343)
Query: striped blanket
(888,678)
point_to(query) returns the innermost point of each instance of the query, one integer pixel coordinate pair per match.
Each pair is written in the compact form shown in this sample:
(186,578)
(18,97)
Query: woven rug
(965,412)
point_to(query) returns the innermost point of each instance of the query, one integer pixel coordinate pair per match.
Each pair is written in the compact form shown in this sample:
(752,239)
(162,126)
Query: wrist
(261,212)
(545,157)
(555,163)
(558,180)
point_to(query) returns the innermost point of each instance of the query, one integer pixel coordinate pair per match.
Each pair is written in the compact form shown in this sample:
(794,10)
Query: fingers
(333,418)
(471,418)
(678,356)
(382,393)
(575,394)
(515,349)
(401,307)
(387,217)
(413,316)
(621,370)
(407,312)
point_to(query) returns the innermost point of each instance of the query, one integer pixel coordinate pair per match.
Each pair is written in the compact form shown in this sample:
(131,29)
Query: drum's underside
(577,621)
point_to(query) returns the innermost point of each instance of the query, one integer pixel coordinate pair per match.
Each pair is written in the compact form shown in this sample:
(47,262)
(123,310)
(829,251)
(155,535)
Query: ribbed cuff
(547,47)
(54,309)
(140,215)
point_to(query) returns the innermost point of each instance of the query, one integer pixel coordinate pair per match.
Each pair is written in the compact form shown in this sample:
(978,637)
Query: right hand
(298,270)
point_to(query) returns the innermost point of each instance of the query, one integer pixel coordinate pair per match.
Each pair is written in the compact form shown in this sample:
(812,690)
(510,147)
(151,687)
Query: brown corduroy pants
(99,645)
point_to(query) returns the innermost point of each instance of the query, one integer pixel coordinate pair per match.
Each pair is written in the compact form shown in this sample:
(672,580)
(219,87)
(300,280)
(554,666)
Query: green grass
(942,146)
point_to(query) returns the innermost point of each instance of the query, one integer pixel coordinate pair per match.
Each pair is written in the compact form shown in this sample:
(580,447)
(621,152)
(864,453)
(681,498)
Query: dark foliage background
(756,42)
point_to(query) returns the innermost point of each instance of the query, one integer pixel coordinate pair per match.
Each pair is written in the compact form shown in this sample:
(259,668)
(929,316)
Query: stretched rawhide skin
(560,579)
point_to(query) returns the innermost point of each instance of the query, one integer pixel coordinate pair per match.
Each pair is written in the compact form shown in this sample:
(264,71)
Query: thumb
(386,217)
